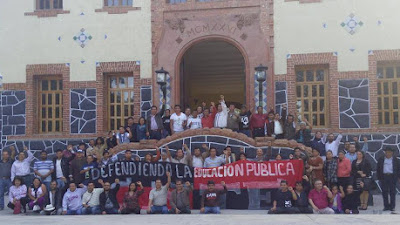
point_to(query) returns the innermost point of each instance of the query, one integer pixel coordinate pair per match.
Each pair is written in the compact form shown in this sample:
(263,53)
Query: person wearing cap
(388,172)
(303,135)
(76,166)
(244,121)
(43,169)
(210,200)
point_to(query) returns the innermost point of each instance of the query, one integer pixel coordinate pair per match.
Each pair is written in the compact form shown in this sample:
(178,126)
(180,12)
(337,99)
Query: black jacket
(396,167)
(57,199)
(64,167)
(158,118)
(364,166)
(112,194)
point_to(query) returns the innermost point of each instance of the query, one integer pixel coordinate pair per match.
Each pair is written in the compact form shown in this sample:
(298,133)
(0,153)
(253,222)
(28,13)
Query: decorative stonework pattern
(177,24)
(354,103)
(82,38)
(83,111)
(280,95)
(168,93)
(256,94)
(145,100)
(13,113)
(352,24)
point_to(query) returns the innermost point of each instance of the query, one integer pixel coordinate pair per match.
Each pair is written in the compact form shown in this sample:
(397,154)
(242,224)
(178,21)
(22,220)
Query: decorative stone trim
(117,9)
(47,13)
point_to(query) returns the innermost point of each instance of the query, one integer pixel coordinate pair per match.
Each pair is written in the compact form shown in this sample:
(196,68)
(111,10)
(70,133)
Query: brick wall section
(33,72)
(47,13)
(216,9)
(102,70)
(379,56)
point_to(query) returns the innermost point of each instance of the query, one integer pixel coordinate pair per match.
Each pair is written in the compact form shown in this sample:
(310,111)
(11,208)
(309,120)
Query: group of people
(160,124)
(335,180)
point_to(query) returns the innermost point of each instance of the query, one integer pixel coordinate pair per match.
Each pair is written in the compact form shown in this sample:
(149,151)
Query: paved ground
(373,215)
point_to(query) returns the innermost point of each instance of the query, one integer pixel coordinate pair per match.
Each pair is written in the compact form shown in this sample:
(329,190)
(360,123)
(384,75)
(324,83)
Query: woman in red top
(315,167)
(208,119)
(131,199)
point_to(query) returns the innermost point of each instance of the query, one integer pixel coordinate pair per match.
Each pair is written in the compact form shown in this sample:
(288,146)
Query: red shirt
(320,199)
(344,168)
(209,121)
(257,120)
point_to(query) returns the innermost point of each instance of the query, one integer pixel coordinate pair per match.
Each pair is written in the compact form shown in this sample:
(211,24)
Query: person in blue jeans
(210,200)
(5,174)
(158,197)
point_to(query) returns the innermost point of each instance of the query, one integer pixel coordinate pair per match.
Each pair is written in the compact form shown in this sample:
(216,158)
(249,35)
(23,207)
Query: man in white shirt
(91,199)
(333,144)
(177,120)
(194,122)
(221,118)
(21,167)
(197,160)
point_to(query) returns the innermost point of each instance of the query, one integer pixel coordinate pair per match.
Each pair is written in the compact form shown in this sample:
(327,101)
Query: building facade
(73,70)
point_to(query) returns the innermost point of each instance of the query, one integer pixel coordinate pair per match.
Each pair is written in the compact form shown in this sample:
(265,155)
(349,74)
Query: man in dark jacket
(180,198)
(76,166)
(61,168)
(108,199)
(388,173)
(53,200)
(155,123)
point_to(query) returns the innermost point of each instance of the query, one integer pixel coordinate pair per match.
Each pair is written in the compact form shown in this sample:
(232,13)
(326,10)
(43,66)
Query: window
(50,100)
(49,4)
(120,100)
(312,95)
(388,94)
(118,3)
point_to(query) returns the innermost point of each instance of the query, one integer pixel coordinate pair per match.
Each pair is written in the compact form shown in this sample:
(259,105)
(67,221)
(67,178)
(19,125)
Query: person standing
(315,166)
(244,122)
(257,123)
(75,168)
(221,118)
(208,116)
(43,169)
(388,171)
(319,198)
(351,154)
(330,169)
(124,135)
(180,198)
(197,159)
(283,200)
(108,198)
(233,119)
(133,128)
(361,173)
(141,130)
(213,160)
(344,170)
(194,122)
(61,168)
(22,167)
(319,143)
(178,120)
(131,199)
(303,135)
(91,199)
(211,198)
(158,197)
(333,144)
(5,173)
(154,124)
(166,123)
(72,200)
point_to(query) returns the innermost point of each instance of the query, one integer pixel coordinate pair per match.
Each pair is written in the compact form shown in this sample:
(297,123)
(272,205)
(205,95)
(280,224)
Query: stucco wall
(28,40)
(316,27)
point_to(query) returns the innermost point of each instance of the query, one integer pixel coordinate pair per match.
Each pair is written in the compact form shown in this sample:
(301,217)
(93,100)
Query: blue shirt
(44,167)
(350,156)
(213,162)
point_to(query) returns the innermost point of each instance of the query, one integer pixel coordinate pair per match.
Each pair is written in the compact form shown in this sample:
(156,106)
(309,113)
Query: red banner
(246,174)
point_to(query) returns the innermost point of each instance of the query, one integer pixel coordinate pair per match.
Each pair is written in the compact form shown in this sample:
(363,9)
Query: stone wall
(13,112)
(83,111)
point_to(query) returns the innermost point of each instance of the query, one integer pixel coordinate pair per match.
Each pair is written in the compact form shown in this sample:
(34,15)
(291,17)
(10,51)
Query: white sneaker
(36,208)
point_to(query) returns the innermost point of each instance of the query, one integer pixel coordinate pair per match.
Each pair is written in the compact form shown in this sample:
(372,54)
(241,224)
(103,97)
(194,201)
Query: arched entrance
(211,68)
